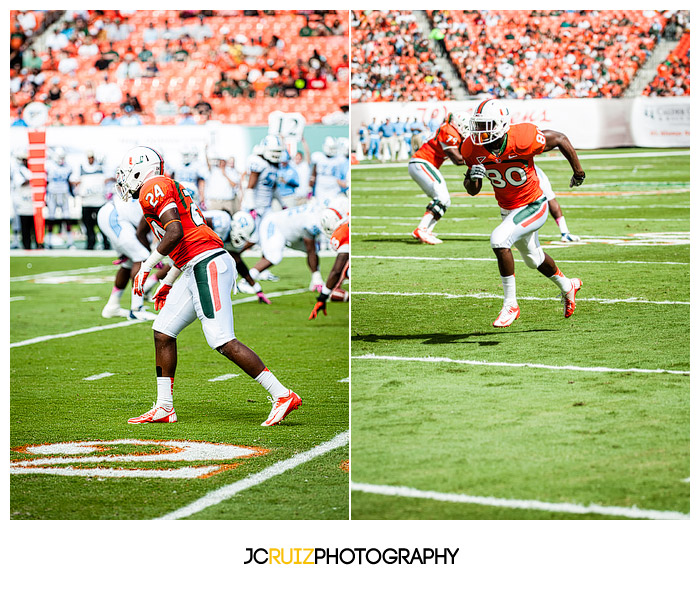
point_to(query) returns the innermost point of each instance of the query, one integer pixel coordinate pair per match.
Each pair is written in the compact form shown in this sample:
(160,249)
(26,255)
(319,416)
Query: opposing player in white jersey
(262,172)
(192,173)
(324,171)
(58,198)
(295,227)
(127,231)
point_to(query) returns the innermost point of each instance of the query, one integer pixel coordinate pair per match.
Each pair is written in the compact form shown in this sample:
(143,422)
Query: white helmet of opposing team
(139,164)
(242,228)
(330,147)
(272,148)
(59,155)
(489,122)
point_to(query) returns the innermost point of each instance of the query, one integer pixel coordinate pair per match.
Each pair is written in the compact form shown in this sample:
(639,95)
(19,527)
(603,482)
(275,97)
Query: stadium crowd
(516,54)
(178,67)
(392,60)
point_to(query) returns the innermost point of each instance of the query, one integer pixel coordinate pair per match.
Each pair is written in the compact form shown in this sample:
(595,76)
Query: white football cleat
(142,314)
(156,415)
(281,408)
(426,236)
(245,287)
(569,298)
(507,316)
(569,238)
(266,275)
(114,311)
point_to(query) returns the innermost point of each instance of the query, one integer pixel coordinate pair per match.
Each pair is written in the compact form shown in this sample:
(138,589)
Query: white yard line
(524,504)
(544,161)
(130,322)
(73,333)
(448,259)
(229,491)
(433,360)
(29,277)
(494,206)
(606,301)
(223,378)
(18,298)
(98,376)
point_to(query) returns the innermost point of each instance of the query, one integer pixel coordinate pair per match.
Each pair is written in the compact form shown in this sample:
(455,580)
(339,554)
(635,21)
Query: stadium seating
(190,51)
(673,75)
(392,61)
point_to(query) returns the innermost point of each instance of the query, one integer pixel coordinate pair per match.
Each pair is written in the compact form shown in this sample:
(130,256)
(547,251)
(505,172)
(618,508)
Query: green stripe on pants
(202,279)
(529,210)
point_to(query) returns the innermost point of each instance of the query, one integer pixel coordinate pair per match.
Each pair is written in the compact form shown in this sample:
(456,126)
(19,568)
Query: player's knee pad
(533,258)
(438,207)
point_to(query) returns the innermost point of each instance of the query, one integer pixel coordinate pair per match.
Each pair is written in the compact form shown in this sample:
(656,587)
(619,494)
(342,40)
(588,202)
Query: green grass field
(52,402)
(480,433)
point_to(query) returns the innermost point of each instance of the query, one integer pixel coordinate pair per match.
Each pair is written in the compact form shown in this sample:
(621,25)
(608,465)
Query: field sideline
(585,418)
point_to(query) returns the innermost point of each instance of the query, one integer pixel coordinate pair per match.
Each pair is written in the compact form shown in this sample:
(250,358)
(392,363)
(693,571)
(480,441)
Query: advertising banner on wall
(589,123)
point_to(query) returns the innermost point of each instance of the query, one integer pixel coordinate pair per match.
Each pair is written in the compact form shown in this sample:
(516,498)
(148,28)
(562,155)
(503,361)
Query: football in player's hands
(340,295)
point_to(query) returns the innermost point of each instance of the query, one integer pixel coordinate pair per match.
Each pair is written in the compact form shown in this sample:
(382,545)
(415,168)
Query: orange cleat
(281,408)
(569,298)
(425,236)
(156,415)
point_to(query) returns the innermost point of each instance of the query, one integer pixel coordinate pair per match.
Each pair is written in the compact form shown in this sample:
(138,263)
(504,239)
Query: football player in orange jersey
(204,292)
(335,225)
(424,168)
(505,155)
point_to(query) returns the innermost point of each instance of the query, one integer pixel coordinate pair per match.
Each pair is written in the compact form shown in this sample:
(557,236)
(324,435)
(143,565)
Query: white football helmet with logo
(242,228)
(139,164)
(489,122)
(334,215)
(272,148)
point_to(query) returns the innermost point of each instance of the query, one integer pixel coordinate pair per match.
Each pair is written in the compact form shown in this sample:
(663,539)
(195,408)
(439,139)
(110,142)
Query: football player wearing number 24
(505,155)
(204,291)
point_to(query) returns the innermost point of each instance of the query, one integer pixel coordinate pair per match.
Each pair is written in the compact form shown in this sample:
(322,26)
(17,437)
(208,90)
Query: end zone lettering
(348,556)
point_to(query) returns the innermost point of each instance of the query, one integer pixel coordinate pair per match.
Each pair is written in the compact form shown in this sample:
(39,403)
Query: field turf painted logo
(131,458)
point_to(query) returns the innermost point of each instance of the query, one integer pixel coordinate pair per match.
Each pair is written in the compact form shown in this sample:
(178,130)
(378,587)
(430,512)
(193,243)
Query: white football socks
(508,283)
(115,297)
(165,392)
(268,381)
(561,281)
(427,220)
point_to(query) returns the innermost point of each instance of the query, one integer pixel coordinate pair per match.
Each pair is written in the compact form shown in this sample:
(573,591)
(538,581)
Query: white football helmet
(242,228)
(460,120)
(489,122)
(59,155)
(188,156)
(139,164)
(330,147)
(272,148)
(334,215)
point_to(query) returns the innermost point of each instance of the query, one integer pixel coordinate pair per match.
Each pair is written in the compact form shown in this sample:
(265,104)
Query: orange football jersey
(340,240)
(433,150)
(157,195)
(511,173)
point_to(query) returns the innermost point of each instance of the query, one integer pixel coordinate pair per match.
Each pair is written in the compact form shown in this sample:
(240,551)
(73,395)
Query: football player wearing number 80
(204,291)
(505,155)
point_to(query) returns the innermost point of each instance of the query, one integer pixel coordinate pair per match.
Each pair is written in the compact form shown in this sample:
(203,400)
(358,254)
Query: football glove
(262,298)
(477,172)
(577,180)
(140,279)
(320,306)
(161,295)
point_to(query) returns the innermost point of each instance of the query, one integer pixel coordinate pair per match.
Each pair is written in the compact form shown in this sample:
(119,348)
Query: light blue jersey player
(263,169)
(324,172)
